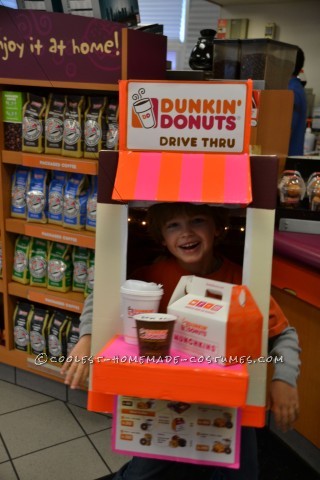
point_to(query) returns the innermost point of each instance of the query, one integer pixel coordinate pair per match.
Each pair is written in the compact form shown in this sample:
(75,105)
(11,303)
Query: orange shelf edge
(71,301)
(51,232)
(51,162)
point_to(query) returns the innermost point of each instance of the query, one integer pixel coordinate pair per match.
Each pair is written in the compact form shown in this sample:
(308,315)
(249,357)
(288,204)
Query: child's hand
(77,371)
(284,403)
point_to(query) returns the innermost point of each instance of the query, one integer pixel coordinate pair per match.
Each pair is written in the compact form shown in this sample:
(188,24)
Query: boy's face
(190,238)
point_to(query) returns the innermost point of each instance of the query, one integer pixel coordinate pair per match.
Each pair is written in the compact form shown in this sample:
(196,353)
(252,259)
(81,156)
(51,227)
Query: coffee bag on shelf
(38,330)
(19,188)
(38,262)
(33,124)
(54,118)
(72,143)
(21,320)
(21,272)
(59,267)
(95,127)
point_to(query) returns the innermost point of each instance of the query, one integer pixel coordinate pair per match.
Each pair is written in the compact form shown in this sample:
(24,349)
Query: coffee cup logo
(143,107)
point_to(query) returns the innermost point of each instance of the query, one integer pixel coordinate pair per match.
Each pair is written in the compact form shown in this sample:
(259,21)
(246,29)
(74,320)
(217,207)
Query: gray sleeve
(86,316)
(286,346)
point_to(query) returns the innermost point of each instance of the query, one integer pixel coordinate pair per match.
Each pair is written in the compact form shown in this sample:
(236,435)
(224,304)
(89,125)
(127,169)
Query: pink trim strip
(191,177)
(237,178)
(148,176)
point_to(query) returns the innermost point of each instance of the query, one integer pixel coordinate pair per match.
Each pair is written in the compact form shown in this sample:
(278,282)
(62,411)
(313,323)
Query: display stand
(45,56)
(258,251)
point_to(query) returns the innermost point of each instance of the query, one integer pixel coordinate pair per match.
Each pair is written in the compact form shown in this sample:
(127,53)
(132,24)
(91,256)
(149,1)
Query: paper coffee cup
(154,331)
(137,297)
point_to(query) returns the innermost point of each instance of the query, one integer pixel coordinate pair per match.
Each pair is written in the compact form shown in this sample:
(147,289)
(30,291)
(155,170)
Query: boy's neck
(203,269)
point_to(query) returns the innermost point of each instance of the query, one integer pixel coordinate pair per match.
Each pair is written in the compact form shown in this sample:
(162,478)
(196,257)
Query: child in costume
(189,232)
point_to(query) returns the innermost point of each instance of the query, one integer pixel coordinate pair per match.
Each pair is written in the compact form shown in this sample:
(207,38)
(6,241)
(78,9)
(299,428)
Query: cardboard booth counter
(216,319)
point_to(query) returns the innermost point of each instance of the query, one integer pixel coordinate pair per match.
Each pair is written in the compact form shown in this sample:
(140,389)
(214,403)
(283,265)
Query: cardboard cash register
(216,319)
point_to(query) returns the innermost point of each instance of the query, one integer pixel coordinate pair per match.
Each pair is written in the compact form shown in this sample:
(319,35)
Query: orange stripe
(253,416)
(213,178)
(170,176)
(125,183)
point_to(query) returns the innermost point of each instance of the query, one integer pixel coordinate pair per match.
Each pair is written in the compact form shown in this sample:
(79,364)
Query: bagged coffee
(21,272)
(38,330)
(79,259)
(33,124)
(113,127)
(91,218)
(57,343)
(54,118)
(21,321)
(95,127)
(72,333)
(59,267)
(19,188)
(75,202)
(56,197)
(72,143)
(90,273)
(38,262)
(37,196)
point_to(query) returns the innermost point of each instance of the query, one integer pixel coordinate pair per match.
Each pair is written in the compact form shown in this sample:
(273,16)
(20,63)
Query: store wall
(297,23)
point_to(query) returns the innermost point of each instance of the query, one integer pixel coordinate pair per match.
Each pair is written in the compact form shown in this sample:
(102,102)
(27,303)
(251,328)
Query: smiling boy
(189,234)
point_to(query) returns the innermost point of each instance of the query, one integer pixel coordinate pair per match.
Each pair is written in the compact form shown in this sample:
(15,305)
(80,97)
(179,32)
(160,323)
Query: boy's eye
(172,225)
(198,220)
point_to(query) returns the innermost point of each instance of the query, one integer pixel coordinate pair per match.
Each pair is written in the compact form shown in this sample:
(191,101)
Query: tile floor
(42,437)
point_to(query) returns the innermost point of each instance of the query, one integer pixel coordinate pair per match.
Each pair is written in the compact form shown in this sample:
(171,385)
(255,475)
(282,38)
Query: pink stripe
(191,177)
(237,177)
(148,176)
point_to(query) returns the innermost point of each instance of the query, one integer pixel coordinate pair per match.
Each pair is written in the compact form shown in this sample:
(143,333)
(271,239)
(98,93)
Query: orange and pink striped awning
(183,177)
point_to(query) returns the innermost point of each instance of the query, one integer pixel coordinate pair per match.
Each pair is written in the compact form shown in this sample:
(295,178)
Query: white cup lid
(141,286)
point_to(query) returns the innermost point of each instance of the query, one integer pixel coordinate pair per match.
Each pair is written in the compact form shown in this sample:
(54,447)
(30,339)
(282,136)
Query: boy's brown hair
(160,213)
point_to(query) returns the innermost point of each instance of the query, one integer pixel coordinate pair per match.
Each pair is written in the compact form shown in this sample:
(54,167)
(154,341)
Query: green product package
(90,273)
(59,267)
(38,262)
(12,105)
(21,272)
(79,258)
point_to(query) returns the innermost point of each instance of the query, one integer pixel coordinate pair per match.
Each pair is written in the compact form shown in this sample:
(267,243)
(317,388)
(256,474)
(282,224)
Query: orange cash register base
(119,370)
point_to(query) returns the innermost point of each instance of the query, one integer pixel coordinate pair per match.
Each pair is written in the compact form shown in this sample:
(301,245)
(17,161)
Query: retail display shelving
(41,74)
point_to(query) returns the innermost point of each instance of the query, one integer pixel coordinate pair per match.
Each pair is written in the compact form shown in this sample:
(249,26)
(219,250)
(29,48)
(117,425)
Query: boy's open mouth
(190,246)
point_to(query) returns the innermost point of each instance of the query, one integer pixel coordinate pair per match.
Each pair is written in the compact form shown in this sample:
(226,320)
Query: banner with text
(58,47)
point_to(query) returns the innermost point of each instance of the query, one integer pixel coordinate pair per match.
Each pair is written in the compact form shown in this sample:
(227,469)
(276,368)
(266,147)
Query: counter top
(301,247)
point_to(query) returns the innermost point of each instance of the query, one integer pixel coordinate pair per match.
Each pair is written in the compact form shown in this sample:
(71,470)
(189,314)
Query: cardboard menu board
(177,431)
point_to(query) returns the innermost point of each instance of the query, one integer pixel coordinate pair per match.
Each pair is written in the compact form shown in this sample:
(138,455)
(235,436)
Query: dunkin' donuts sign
(192,116)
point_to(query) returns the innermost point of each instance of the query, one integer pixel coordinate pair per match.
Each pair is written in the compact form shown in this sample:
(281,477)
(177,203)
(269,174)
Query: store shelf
(71,301)
(54,233)
(24,361)
(51,162)
(52,84)
(95,71)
